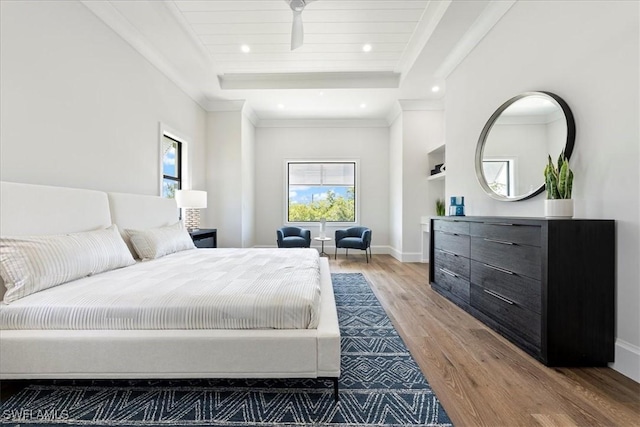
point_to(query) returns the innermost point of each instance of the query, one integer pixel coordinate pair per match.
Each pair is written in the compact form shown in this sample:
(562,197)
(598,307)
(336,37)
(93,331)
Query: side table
(322,240)
(205,237)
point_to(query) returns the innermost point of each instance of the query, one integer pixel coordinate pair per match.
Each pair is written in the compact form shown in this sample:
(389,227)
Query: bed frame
(27,209)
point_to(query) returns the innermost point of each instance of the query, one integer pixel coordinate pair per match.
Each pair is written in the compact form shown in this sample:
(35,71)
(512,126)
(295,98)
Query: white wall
(395,187)
(587,53)
(421,130)
(411,136)
(81,108)
(231,178)
(248,182)
(224,180)
(275,145)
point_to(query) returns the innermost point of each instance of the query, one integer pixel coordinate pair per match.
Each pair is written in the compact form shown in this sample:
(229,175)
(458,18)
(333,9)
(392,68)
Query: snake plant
(440,207)
(558,180)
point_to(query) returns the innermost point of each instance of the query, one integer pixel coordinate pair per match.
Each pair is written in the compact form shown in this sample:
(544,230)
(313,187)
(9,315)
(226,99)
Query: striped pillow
(32,264)
(157,242)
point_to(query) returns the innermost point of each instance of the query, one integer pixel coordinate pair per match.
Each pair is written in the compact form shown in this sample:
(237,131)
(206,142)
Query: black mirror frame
(568,148)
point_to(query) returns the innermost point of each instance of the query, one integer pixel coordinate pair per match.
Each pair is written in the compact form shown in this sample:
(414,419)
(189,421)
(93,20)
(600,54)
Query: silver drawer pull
(500,223)
(500,297)
(448,252)
(499,269)
(450,233)
(445,271)
(502,242)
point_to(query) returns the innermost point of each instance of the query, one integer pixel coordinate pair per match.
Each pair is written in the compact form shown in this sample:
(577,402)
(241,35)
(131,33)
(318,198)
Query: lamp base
(192,219)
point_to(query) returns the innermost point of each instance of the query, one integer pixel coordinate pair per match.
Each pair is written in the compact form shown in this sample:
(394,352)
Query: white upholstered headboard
(27,209)
(32,210)
(141,212)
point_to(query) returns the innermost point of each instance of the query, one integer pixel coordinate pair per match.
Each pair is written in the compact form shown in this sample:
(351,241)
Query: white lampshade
(191,199)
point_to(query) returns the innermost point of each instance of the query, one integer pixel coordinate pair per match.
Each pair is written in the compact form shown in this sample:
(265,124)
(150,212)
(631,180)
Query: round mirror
(516,141)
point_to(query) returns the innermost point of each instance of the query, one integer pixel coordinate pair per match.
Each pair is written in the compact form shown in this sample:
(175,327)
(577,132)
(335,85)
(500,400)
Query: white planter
(558,208)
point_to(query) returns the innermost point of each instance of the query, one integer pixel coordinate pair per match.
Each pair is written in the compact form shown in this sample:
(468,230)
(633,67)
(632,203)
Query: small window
(498,175)
(321,190)
(171,166)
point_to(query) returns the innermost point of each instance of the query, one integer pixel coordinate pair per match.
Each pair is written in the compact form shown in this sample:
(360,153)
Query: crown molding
(222,106)
(413,105)
(105,11)
(250,114)
(421,104)
(489,17)
(323,123)
(346,80)
(394,112)
(428,23)
(205,55)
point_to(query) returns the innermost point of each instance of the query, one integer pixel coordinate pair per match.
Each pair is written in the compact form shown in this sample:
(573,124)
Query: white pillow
(157,242)
(32,264)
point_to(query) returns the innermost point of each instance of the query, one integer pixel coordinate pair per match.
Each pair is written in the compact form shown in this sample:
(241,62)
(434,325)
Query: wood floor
(480,378)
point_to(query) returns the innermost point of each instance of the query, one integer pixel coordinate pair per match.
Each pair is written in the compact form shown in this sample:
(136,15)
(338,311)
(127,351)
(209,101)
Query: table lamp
(192,201)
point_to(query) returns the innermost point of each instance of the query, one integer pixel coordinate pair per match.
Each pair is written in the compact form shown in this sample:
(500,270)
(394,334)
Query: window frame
(185,175)
(356,200)
(178,177)
(511,166)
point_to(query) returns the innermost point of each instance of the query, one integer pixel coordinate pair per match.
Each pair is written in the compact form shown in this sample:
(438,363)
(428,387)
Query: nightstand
(205,237)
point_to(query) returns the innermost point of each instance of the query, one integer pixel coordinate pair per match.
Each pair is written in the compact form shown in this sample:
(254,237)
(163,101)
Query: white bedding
(194,289)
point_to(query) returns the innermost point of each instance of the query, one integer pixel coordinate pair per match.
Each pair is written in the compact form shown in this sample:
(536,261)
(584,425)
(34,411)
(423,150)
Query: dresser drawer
(452,262)
(452,283)
(523,260)
(457,227)
(522,290)
(207,242)
(513,317)
(451,242)
(508,232)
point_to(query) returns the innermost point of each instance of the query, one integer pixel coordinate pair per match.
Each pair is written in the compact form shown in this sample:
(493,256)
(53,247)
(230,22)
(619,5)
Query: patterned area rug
(380,385)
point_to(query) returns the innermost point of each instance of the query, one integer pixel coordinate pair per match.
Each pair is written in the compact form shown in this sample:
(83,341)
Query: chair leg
(366,255)
(336,254)
(347,252)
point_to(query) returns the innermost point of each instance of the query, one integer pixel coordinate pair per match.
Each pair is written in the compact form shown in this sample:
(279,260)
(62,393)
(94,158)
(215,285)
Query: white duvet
(193,289)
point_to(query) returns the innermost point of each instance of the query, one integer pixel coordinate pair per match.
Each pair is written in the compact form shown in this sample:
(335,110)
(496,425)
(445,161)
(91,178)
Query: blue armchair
(293,237)
(354,238)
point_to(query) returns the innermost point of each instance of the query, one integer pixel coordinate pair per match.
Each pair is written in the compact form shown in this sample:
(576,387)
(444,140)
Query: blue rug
(380,385)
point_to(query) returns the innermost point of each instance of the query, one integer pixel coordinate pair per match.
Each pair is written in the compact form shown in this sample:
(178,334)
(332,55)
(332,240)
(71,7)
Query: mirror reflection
(514,145)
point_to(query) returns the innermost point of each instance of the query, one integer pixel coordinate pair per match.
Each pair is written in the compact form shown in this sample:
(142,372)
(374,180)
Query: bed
(39,350)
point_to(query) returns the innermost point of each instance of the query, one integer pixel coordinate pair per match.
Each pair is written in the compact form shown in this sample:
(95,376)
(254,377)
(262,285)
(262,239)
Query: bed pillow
(157,242)
(32,264)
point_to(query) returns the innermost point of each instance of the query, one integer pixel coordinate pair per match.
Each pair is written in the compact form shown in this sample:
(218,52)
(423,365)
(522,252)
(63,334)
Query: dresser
(547,285)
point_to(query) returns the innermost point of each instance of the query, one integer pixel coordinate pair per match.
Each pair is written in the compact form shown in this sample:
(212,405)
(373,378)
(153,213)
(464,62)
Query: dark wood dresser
(546,285)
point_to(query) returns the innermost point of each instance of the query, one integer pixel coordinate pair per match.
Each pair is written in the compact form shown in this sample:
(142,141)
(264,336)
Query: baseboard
(627,360)
(375,250)
(406,256)
(395,253)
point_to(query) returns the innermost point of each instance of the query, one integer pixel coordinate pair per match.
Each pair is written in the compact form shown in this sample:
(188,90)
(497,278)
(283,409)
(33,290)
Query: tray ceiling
(227,54)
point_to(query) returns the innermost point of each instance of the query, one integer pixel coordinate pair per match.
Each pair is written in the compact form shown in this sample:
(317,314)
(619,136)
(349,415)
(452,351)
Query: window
(171,166)
(321,190)
(498,175)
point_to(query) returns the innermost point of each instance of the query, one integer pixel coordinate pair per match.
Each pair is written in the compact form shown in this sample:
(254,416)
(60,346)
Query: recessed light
(367,48)
(281,106)
(321,93)
(245,48)
(435,89)
(363,105)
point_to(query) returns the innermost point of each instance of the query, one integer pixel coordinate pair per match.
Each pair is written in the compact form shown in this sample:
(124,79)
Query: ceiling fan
(297,31)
